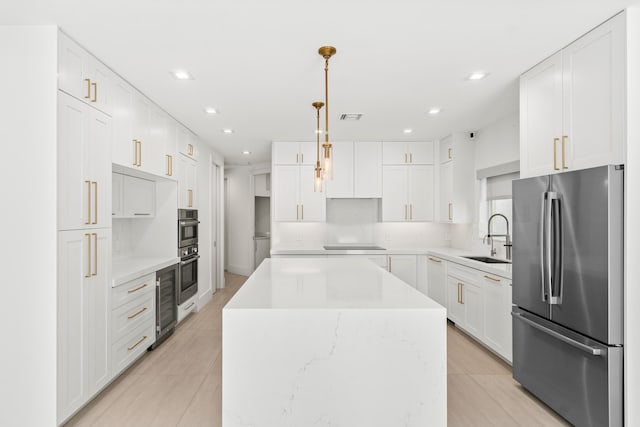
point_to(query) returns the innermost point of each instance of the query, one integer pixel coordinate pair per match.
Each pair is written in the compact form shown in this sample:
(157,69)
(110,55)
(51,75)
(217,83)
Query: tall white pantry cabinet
(84,227)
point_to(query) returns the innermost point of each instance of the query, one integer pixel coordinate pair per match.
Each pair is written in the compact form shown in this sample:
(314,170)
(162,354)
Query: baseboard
(241,270)
(204,299)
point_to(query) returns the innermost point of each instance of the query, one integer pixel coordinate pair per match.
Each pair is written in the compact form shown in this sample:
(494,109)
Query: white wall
(496,144)
(28,178)
(240,221)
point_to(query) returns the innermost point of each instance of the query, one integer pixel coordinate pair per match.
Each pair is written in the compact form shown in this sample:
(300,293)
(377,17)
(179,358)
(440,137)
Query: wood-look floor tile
(470,405)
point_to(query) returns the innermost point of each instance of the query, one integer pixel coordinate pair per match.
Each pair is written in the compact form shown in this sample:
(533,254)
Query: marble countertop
(129,268)
(326,283)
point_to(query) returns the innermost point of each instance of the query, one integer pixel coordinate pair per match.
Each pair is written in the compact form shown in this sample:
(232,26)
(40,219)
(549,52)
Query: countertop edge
(138,267)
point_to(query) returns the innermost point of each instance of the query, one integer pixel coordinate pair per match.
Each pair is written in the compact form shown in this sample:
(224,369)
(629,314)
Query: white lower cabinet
(477,302)
(403,267)
(437,280)
(133,320)
(84,269)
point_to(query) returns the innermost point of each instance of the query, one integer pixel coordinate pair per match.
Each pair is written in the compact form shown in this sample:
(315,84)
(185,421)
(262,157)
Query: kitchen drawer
(464,273)
(131,290)
(132,345)
(133,314)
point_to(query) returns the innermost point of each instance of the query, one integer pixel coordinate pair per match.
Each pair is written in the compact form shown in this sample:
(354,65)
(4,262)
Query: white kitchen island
(332,342)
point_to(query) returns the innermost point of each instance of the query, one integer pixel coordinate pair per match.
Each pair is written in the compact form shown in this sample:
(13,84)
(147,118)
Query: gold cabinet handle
(95,253)
(88,274)
(405,157)
(137,313)
(301,157)
(411,211)
(88,221)
(136,344)
(95,92)
(461,293)
(564,138)
(302,210)
(449,153)
(130,291)
(95,202)
(190,198)
(297,214)
(435,260)
(491,278)
(450,211)
(191,149)
(410,157)
(140,154)
(555,159)
(169,165)
(389,265)
(135,152)
(297,157)
(405,212)
(88,95)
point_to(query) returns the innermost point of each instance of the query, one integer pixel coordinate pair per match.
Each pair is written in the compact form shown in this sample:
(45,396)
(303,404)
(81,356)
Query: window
(499,206)
(495,198)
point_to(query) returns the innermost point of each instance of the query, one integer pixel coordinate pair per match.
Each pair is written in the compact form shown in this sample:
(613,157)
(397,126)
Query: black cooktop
(353,248)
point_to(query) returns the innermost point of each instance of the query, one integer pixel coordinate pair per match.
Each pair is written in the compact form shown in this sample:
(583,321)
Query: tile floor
(179,384)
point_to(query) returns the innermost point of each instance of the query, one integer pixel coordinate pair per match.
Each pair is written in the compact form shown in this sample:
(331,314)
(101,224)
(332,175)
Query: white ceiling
(256,61)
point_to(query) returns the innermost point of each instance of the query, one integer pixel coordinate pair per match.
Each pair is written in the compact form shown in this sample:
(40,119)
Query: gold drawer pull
(555,157)
(136,344)
(131,316)
(95,92)
(435,260)
(88,221)
(450,154)
(564,137)
(130,291)
(491,278)
(88,95)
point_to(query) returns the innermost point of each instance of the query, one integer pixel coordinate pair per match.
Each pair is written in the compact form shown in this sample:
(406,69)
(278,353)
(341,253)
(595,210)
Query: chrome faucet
(489,236)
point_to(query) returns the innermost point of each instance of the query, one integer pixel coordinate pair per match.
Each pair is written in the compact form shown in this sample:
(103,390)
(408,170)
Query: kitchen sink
(487,259)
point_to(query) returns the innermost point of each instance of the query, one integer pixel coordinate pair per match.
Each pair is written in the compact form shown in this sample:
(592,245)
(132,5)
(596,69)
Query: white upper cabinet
(407,193)
(187,143)
(186,172)
(572,105)
(401,153)
(357,170)
(123,145)
(293,197)
(133,197)
(296,153)
(84,177)
(456,188)
(84,77)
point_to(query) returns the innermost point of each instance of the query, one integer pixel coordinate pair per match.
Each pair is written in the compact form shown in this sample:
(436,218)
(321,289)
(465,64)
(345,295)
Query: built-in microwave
(187,227)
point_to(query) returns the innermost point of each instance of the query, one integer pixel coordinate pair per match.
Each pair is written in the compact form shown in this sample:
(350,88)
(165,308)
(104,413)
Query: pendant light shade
(317,172)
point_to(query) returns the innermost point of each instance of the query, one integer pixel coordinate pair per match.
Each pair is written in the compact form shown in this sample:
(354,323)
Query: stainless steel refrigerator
(568,292)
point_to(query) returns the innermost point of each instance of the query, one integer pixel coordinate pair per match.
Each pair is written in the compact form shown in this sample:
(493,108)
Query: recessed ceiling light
(477,75)
(227,131)
(435,110)
(182,75)
(407,130)
(246,152)
(210,110)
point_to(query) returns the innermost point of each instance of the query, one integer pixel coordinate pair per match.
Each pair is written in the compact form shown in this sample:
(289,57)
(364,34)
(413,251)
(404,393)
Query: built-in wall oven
(187,228)
(188,253)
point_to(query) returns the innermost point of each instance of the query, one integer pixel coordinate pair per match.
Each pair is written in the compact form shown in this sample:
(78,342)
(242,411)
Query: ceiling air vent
(351,116)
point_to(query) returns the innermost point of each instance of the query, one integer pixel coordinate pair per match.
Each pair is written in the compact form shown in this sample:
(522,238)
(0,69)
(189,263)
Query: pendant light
(327,52)
(317,175)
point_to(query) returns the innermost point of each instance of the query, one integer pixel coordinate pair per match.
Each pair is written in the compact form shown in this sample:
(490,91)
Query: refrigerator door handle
(555,298)
(587,349)
(545,246)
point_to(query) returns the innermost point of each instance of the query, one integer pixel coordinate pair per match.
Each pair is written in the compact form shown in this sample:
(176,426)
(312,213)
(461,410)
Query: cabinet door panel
(312,204)
(98,311)
(286,153)
(446,149)
(72,317)
(308,153)
(285,193)
(420,153)
(421,193)
(99,151)
(404,268)
(123,115)
(394,193)
(593,96)
(139,197)
(72,68)
(394,153)
(341,186)
(156,143)
(541,117)
(437,280)
(497,318)
(446,192)
(101,85)
(473,299)
(74,178)
(367,169)
(141,108)
(455,306)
